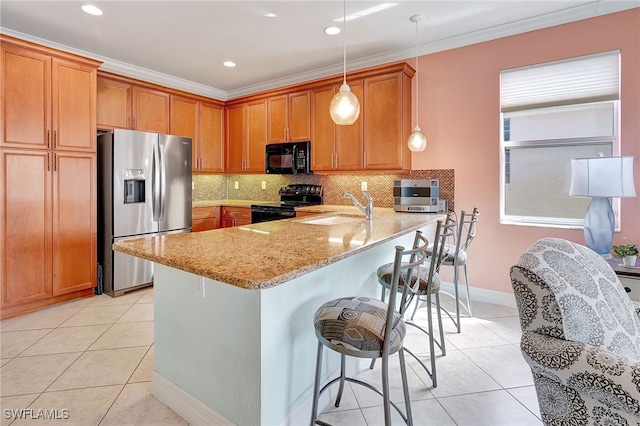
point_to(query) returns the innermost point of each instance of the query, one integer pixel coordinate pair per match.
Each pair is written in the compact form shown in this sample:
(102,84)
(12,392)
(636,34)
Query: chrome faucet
(368,210)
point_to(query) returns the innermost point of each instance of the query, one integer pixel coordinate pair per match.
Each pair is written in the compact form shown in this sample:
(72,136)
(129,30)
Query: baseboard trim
(483,295)
(188,407)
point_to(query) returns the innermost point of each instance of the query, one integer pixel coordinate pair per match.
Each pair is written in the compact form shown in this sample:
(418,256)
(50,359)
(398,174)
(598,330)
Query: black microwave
(289,158)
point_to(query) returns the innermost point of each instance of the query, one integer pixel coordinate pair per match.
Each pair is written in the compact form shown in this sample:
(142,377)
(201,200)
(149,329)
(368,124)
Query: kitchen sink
(333,220)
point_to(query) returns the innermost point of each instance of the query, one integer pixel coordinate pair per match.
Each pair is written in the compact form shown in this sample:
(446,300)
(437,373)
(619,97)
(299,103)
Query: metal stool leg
(343,359)
(457,296)
(432,350)
(466,284)
(442,347)
(316,385)
(385,390)
(405,388)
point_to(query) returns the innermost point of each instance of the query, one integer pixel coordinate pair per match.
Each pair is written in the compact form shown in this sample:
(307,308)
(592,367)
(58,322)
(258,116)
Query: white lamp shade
(417,140)
(344,107)
(602,177)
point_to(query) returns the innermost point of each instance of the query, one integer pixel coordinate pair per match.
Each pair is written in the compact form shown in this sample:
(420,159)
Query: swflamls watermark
(36,414)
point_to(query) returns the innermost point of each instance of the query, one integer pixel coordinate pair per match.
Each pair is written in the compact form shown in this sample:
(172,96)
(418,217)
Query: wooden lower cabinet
(205,218)
(47,228)
(235,216)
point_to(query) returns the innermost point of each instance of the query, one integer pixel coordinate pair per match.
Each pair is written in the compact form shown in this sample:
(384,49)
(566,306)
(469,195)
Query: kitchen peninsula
(234,338)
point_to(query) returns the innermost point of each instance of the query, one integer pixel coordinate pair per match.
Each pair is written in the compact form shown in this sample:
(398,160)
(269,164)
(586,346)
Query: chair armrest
(611,379)
(636,306)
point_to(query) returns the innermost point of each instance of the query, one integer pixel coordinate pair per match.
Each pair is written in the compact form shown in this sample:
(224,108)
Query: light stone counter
(274,252)
(245,353)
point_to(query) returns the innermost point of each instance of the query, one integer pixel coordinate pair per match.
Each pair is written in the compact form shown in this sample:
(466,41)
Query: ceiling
(182,44)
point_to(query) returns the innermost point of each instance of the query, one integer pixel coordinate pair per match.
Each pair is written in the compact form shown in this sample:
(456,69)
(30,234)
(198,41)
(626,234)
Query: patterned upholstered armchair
(580,335)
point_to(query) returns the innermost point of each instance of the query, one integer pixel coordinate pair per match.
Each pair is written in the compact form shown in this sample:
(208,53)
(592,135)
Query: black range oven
(291,196)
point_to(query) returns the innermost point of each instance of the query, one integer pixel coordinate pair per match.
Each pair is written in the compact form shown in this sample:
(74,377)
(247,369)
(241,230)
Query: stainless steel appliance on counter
(291,196)
(144,189)
(416,195)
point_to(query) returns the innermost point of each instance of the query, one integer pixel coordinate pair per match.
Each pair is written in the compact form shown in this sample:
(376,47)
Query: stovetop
(296,195)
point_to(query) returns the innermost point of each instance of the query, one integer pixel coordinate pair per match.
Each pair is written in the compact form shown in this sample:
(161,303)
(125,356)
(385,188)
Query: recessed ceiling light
(366,12)
(229,64)
(270,15)
(332,30)
(91,9)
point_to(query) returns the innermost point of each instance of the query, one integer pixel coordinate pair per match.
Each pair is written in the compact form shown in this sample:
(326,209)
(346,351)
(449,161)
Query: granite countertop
(266,254)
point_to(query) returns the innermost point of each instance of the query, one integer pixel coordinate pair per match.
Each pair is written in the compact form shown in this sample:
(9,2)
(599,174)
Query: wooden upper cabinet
(387,121)
(26,226)
(256,137)
(184,122)
(335,147)
(235,138)
(114,104)
(74,222)
(211,137)
(289,117)
(48,102)
(150,110)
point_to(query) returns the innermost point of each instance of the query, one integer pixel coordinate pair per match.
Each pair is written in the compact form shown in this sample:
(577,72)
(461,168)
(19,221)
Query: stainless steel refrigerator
(144,189)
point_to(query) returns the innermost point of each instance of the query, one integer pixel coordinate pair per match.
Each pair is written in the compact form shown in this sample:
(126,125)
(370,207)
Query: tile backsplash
(380,186)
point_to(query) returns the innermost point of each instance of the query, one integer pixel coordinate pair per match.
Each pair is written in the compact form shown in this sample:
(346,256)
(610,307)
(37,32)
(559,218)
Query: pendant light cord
(344,28)
(417,73)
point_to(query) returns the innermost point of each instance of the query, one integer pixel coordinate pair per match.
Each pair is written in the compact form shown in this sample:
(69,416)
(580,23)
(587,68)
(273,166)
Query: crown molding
(577,13)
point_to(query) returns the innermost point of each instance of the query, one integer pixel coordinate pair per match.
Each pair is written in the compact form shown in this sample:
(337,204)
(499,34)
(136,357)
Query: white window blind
(588,78)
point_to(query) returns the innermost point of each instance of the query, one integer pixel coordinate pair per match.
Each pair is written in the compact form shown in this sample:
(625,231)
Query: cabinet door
(26,98)
(323,129)
(256,136)
(234,142)
(349,145)
(299,126)
(74,222)
(113,109)
(150,110)
(184,113)
(74,106)
(211,138)
(277,119)
(25,233)
(383,121)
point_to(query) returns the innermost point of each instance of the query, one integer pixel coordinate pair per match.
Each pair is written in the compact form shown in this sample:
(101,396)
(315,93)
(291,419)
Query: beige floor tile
(94,315)
(13,343)
(77,407)
(148,297)
(33,374)
(495,408)
(46,318)
(4,361)
(138,312)
(14,404)
(126,335)
(508,328)
(100,368)
(474,335)
(136,406)
(67,339)
(125,299)
(527,397)
(504,364)
(75,303)
(145,369)
(344,418)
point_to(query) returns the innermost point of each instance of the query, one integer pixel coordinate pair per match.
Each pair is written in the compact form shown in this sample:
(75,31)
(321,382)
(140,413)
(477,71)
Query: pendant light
(344,107)
(417,140)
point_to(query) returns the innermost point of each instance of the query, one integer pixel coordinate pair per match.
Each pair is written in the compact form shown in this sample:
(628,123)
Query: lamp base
(599,224)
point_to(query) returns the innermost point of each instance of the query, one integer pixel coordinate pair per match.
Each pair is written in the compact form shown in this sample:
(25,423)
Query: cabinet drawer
(205,212)
(237,212)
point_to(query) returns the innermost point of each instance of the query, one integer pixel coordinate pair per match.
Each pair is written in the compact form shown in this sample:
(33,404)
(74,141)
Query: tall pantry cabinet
(47,176)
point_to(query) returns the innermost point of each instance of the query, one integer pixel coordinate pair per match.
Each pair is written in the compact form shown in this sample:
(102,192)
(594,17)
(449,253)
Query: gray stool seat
(385,273)
(355,326)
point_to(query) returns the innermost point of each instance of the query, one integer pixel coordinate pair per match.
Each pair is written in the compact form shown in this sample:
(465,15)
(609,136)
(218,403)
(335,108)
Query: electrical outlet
(200,286)
(363,185)
(236,184)
(264,184)
(193,185)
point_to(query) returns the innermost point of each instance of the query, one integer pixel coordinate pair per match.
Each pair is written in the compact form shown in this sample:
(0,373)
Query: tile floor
(94,358)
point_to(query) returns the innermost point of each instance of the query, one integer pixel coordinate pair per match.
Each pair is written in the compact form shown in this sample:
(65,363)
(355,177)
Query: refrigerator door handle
(163,182)
(155,183)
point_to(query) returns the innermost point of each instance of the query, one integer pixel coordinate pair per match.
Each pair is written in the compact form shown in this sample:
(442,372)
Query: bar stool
(368,328)
(428,286)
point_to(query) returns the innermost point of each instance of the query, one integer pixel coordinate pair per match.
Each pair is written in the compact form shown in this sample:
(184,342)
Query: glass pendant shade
(417,140)
(344,107)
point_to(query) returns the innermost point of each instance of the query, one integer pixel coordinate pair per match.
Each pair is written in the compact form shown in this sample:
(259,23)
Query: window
(552,113)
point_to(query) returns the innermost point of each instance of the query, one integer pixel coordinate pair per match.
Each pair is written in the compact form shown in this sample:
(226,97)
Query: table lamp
(601,178)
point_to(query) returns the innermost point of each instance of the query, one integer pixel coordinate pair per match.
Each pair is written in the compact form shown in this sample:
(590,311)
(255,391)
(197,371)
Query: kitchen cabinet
(235,216)
(124,105)
(289,117)
(335,148)
(202,122)
(47,177)
(387,121)
(205,218)
(246,129)
(48,101)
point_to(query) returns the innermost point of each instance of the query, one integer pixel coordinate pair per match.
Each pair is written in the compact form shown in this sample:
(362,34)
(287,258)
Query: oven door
(267,214)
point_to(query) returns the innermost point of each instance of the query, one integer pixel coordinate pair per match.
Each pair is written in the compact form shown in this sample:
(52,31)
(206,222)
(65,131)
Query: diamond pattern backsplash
(379,186)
